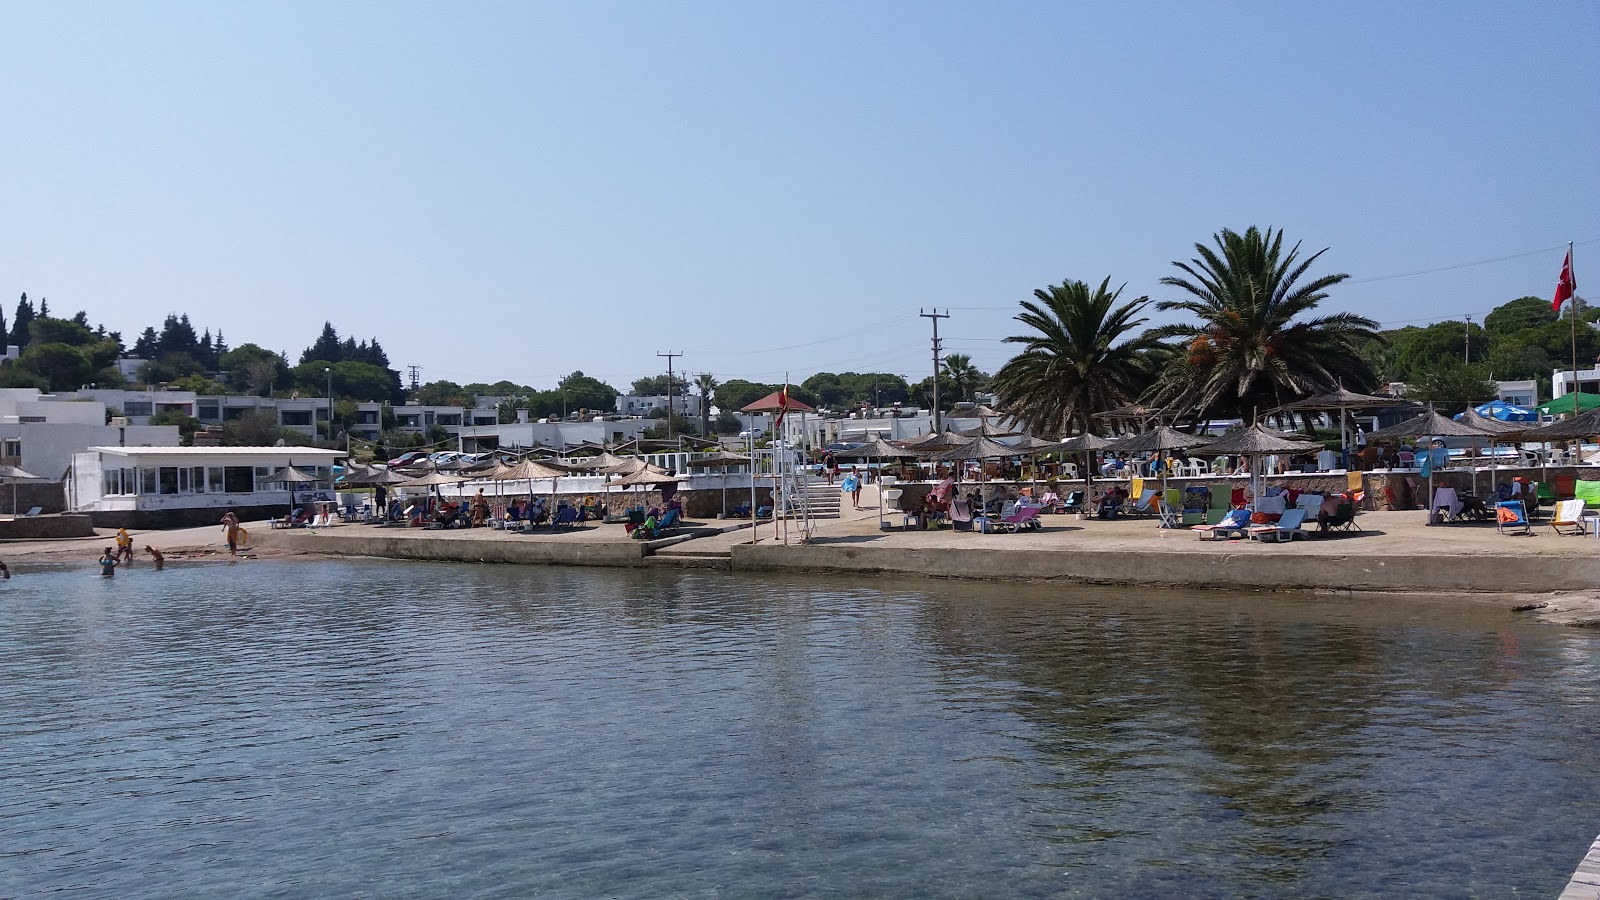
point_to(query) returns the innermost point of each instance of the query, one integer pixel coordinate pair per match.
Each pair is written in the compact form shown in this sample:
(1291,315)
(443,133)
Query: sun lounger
(1236,522)
(960,516)
(1287,527)
(1024,516)
(1511,517)
(1569,514)
(1587,491)
(1145,506)
(33,513)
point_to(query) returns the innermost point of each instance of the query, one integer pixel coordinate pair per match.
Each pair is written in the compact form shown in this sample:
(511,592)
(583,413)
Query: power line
(1466,265)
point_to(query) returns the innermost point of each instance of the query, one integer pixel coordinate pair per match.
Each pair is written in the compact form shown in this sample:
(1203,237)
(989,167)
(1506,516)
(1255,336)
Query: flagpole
(1572,313)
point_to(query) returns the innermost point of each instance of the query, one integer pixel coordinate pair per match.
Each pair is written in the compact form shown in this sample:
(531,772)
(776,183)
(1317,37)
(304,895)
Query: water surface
(412,729)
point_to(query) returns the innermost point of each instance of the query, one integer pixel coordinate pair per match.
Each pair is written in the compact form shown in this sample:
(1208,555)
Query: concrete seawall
(618,554)
(1401,573)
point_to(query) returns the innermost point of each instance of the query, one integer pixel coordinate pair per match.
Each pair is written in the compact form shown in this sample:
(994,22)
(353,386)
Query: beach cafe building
(166,487)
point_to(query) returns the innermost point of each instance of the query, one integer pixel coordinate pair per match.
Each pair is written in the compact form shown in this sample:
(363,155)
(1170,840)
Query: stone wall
(46,526)
(49,496)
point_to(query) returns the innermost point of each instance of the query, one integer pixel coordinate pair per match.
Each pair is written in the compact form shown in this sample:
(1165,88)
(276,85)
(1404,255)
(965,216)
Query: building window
(13,447)
(169,479)
(137,408)
(216,478)
(296,417)
(239,479)
(197,479)
(147,479)
(209,412)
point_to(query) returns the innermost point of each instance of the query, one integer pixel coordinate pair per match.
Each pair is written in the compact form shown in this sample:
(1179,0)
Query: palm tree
(706,384)
(961,374)
(1077,361)
(1252,346)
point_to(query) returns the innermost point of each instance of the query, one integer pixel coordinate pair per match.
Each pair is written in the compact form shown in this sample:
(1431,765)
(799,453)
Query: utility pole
(669,355)
(416,379)
(938,424)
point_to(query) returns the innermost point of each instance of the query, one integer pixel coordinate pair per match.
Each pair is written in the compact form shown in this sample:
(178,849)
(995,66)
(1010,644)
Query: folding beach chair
(1145,506)
(1170,517)
(960,515)
(1569,514)
(1510,516)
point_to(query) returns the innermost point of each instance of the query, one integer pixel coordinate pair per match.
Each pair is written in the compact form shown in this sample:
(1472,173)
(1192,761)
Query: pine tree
(219,346)
(20,322)
(327,348)
(148,346)
(206,355)
(44,307)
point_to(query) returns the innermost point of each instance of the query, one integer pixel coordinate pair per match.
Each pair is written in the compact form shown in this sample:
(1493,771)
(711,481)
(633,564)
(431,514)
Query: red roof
(769,403)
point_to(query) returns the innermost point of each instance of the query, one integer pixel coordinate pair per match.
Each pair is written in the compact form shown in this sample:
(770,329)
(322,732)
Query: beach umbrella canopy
(1575,428)
(1256,440)
(1499,428)
(291,475)
(988,431)
(1429,424)
(1085,442)
(935,441)
(1031,444)
(722,459)
(379,478)
(647,475)
(1162,437)
(1501,411)
(877,448)
(13,475)
(1340,399)
(773,402)
(976,448)
(975,412)
(433,479)
(1562,405)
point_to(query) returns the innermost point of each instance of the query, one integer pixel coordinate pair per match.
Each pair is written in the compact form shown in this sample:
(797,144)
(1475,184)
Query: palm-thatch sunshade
(1086,443)
(14,474)
(976,448)
(877,448)
(1031,444)
(1496,428)
(975,412)
(1162,437)
(1340,401)
(988,431)
(1575,428)
(433,479)
(1133,412)
(722,459)
(1429,424)
(935,441)
(647,475)
(1256,440)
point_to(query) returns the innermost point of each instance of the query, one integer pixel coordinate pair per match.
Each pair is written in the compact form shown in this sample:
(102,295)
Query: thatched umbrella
(1499,432)
(1256,442)
(1157,440)
(1340,401)
(1429,424)
(934,441)
(1133,412)
(975,412)
(1086,443)
(722,459)
(988,431)
(14,475)
(877,449)
(288,475)
(979,449)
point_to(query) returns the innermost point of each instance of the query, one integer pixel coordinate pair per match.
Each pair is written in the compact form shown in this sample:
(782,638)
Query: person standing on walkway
(855,486)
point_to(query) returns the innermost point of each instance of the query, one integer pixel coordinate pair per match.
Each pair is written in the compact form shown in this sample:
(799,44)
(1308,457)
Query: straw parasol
(1256,442)
(1086,443)
(1133,412)
(935,441)
(878,449)
(1575,428)
(1340,401)
(974,412)
(1429,424)
(14,474)
(288,475)
(1499,431)
(976,448)
(1157,440)
(988,431)
(722,459)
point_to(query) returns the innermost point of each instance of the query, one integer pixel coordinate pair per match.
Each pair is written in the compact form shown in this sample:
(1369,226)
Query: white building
(684,404)
(1588,381)
(138,406)
(1518,393)
(556,435)
(40,432)
(156,487)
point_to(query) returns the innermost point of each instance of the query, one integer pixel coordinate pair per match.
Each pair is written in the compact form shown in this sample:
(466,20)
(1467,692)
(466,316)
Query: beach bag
(1259,518)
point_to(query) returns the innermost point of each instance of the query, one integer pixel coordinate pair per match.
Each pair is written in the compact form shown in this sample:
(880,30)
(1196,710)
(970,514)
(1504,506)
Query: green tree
(963,376)
(1252,344)
(1523,312)
(443,393)
(62,366)
(187,425)
(656,386)
(357,380)
(706,384)
(255,370)
(20,322)
(43,330)
(1419,349)
(584,392)
(326,348)
(1079,359)
(1452,385)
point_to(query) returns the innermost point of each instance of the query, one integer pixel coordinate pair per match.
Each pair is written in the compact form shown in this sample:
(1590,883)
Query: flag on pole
(1567,287)
(783,408)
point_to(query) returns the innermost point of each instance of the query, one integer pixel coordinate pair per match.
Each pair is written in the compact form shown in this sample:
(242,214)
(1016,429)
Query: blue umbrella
(1507,412)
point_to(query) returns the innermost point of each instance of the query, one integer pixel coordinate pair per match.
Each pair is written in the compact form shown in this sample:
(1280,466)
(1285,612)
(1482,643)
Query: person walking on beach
(829,465)
(124,545)
(230,525)
(156,557)
(854,486)
(108,564)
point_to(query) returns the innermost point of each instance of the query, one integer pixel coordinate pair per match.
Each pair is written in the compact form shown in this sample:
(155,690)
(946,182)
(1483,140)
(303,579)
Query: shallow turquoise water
(387,729)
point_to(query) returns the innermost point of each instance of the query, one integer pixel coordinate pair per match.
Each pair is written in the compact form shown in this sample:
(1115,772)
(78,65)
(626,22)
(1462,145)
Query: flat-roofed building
(165,487)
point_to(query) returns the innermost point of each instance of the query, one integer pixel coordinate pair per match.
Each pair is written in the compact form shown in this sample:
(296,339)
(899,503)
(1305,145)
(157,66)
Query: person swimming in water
(156,557)
(108,564)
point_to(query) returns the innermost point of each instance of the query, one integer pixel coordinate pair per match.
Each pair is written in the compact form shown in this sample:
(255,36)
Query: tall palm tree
(962,374)
(706,384)
(1077,361)
(1252,345)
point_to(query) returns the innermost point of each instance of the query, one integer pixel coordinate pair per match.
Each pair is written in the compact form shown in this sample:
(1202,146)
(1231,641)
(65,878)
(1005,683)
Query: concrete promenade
(1585,883)
(1396,551)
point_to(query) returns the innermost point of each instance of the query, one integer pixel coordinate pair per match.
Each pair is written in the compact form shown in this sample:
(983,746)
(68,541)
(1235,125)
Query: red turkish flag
(1566,287)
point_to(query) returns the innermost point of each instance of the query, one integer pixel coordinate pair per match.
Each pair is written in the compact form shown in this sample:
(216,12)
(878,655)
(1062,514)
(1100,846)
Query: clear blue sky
(520,190)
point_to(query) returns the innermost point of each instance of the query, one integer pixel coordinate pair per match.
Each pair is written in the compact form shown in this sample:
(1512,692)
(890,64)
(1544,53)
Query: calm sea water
(387,729)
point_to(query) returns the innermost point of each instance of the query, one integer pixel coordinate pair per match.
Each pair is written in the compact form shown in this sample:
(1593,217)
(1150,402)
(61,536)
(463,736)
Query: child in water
(156,557)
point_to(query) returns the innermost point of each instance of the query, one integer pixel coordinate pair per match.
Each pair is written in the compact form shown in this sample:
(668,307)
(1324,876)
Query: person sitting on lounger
(1111,502)
(514,510)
